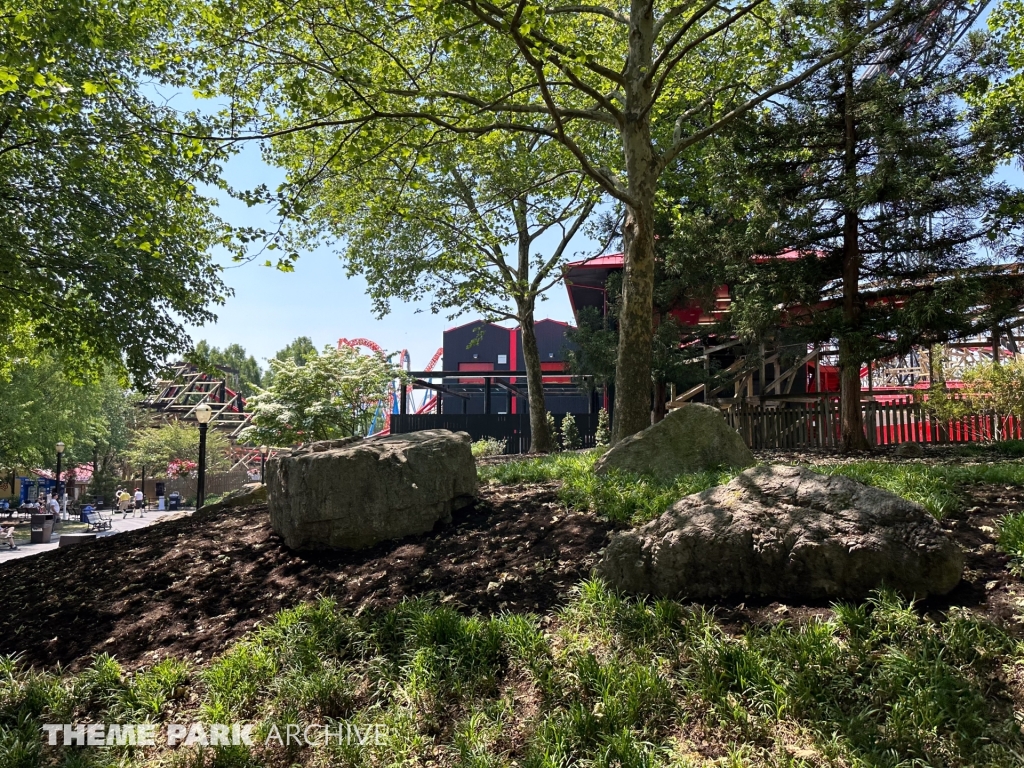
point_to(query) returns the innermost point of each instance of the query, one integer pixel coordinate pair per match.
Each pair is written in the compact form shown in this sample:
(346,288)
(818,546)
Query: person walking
(124,502)
(140,501)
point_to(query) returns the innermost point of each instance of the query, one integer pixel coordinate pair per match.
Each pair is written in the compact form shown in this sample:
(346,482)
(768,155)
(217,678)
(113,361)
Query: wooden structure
(814,424)
(185,387)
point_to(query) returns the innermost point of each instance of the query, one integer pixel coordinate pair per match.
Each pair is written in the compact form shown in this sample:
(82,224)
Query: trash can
(86,511)
(42,528)
(174,501)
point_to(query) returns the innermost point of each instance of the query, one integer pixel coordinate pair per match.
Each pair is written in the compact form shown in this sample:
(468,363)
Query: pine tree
(875,178)
(570,433)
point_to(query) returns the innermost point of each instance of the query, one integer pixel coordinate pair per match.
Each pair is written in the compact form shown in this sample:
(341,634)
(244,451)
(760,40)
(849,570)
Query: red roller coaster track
(405,362)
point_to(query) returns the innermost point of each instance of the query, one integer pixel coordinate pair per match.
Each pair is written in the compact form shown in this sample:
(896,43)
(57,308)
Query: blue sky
(270,308)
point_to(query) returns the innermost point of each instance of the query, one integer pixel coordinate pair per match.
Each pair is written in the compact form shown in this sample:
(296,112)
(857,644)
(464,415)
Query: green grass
(604,681)
(1011,539)
(619,496)
(1013,449)
(938,487)
(632,498)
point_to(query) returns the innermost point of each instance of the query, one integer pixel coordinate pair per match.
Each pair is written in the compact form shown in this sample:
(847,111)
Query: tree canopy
(336,393)
(244,374)
(155,448)
(624,92)
(104,239)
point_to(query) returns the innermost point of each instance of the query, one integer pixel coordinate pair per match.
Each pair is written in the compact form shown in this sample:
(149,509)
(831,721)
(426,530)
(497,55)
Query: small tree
(157,448)
(603,435)
(987,387)
(335,394)
(570,433)
(552,427)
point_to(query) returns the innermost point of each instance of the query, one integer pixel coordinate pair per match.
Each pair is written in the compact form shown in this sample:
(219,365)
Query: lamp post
(203,415)
(264,450)
(60,453)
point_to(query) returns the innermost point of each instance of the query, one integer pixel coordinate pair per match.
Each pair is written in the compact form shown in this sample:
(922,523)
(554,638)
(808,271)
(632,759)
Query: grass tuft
(607,680)
(634,499)
(624,497)
(937,487)
(1011,539)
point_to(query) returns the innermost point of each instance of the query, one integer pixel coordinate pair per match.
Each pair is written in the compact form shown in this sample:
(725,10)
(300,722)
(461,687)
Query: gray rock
(694,438)
(909,450)
(320,446)
(358,494)
(785,533)
(249,495)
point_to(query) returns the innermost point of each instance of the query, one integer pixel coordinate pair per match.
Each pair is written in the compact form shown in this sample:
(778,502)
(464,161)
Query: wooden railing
(809,425)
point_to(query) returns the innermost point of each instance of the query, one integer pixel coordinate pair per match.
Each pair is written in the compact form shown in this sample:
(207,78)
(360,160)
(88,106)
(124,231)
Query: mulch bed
(190,586)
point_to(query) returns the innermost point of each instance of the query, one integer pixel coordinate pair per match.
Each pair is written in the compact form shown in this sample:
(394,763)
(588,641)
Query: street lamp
(60,452)
(203,415)
(264,450)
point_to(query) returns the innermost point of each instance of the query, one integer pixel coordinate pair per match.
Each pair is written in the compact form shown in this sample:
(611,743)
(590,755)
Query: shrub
(570,433)
(552,427)
(488,446)
(603,435)
(1011,538)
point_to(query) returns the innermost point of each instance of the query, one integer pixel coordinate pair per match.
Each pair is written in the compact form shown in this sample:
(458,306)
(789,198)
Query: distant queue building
(485,347)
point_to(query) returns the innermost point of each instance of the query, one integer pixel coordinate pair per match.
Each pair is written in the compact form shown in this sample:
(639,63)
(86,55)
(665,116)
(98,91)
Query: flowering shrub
(181,468)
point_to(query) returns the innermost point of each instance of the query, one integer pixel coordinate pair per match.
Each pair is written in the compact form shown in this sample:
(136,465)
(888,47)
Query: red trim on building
(471,367)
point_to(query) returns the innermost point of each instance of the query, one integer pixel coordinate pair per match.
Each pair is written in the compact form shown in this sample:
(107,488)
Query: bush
(570,433)
(1011,538)
(603,435)
(552,427)
(489,446)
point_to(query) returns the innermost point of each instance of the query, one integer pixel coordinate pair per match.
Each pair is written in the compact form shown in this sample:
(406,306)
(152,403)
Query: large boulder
(694,438)
(355,494)
(785,533)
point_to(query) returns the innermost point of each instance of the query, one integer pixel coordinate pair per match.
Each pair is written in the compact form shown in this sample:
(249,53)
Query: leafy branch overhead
(105,238)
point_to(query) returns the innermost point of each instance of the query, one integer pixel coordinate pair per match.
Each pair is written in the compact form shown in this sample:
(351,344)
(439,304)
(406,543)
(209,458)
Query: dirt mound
(187,587)
(190,586)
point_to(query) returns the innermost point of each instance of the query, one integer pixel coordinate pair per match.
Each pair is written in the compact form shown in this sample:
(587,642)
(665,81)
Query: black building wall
(485,344)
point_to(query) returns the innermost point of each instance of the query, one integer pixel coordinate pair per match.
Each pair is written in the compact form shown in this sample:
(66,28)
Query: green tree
(335,394)
(244,374)
(152,448)
(890,199)
(41,403)
(463,227)
(104,237)
(625,91)
(1000,94)
(298,351)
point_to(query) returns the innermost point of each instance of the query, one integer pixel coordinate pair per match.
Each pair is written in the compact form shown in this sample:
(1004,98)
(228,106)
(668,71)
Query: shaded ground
(188,587)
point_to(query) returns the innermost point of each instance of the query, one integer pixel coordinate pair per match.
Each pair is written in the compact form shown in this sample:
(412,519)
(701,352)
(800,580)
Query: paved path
(129,523)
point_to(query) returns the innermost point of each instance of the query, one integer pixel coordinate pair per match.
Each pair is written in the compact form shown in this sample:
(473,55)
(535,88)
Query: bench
(95,522)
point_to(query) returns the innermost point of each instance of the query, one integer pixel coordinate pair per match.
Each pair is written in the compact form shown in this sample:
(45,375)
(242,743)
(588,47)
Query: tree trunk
(633,365)
(541,440)
(659,402)
(851,423)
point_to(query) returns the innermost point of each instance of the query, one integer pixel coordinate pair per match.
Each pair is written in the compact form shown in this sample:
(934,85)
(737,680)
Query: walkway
(120,525)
